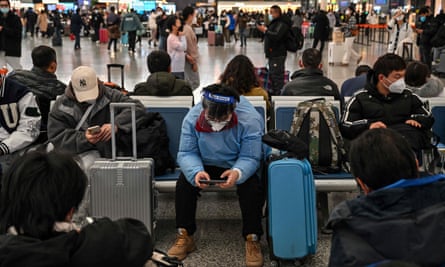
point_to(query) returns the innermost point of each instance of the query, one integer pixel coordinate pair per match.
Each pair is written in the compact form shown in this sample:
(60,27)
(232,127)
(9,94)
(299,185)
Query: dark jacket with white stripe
(368,106)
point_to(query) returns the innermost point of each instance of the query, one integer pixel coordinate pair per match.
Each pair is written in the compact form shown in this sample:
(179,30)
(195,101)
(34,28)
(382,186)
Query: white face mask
(348,12)
(270,17)
(4,10)
(398,86)
(400,18)
(218,125)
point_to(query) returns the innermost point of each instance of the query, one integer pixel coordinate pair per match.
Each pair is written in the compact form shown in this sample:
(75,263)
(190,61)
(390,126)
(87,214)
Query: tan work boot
(184,244)
(254,257)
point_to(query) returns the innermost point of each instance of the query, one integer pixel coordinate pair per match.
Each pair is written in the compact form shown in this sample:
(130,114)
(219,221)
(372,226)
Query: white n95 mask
(398,86)
(218,125)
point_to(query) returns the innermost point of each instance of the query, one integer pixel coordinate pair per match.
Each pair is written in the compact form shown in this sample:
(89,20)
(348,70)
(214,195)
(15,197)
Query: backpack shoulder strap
(300,113)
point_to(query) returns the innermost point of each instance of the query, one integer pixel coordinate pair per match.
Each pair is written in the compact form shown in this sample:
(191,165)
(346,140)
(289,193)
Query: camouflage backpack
(315,123)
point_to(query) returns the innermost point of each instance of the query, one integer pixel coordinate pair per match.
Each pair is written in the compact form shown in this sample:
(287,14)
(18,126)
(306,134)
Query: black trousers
(314,45)
(276,74)
(131,40)
(250,195)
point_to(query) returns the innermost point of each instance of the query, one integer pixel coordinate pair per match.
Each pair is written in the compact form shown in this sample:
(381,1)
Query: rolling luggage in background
(123,187)
(211,38)
(219,39)
(124,39)
(292,217)
(113,85)
(335,52)
(103,35)
(57,40)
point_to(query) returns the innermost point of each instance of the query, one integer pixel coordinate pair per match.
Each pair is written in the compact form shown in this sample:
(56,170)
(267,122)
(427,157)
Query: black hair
(311,58)
(396,263)
(424,10)
(187,12)
(112,9)
(158,61)
(42,56)
(277,8)
(170,22)
(362,69)
(387,64)
(38,190)
(219,110)
(381,157)
(416,73)
(240,74)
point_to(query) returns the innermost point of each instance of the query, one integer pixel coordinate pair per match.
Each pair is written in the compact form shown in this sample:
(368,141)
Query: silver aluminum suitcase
(123,187)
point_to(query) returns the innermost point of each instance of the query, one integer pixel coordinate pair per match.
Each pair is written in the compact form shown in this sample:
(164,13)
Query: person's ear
(300,63)
(52,67)
(69,216)
(320,66)
(380,78)
(363,186)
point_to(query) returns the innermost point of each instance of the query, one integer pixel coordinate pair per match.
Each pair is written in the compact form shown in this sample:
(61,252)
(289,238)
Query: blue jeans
(243,37)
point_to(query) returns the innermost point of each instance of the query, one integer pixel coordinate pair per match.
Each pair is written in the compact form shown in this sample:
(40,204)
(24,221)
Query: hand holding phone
(94,129)
(212,182)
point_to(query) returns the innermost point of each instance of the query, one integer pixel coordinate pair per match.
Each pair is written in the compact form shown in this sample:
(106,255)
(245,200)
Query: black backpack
(294,39)
(285,141)
(315,123)
(438,39)
(291,41)
(152,142)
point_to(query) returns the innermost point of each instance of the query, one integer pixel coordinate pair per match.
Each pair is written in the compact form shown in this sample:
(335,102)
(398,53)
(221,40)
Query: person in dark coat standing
(76,26)
(10,36)
(97,21)
(31,19)
(321,31)
(275,47)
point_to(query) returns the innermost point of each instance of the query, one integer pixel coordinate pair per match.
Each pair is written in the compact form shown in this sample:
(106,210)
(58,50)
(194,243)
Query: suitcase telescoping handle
(133,130)
(121,67)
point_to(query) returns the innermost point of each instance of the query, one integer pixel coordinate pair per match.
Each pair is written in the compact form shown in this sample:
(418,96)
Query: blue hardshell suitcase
(292,218)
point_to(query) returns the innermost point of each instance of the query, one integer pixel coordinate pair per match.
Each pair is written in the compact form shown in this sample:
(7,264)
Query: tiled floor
(218,238)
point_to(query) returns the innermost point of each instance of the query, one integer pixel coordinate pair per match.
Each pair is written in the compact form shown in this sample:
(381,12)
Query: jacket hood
(389,204)
(125,242)
(432,88)
(161,83)
(307,72)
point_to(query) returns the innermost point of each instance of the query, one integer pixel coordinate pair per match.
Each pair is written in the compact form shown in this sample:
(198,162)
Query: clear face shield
(217,111)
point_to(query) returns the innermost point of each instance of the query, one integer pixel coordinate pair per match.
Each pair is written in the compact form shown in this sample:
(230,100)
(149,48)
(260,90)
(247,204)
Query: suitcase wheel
(275,263)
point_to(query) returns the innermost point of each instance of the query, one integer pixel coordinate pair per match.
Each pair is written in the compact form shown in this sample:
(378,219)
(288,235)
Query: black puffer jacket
(401,223)
(311,82)
(369,106)
(11,35)
(44,85)
(163,84)
(125,242)
(275,37)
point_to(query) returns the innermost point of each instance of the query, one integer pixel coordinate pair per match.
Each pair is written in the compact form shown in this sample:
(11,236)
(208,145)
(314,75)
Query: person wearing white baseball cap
(79,122)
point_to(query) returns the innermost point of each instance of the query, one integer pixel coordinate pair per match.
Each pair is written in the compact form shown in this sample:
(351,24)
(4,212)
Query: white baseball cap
(84,82)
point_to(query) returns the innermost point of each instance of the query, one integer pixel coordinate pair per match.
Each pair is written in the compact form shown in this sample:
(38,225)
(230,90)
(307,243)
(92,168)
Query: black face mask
(181,28)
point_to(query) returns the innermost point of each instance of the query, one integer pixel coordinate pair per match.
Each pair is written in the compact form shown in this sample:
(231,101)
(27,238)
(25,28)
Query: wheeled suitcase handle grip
(133,130)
